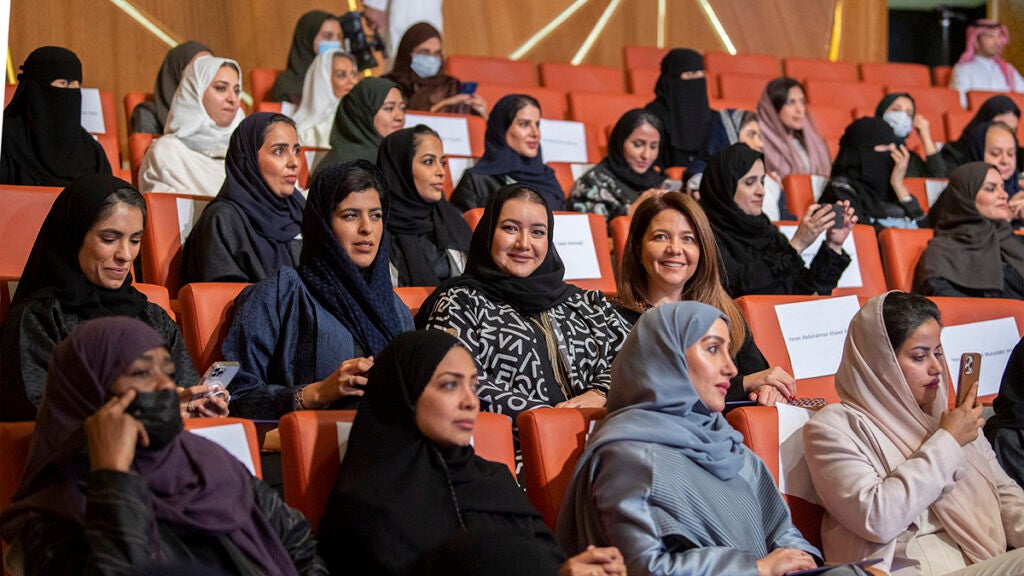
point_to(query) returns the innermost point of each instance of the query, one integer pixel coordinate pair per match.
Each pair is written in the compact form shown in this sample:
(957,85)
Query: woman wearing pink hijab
(981,66)
(792,142)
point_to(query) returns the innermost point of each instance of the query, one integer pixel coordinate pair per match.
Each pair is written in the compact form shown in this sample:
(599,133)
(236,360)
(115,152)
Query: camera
(358,43)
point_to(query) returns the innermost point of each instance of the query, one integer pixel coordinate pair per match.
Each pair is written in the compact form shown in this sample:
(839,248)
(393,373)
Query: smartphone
(672,185)
(970,372)
(840,213)
(217,377)
(468,88)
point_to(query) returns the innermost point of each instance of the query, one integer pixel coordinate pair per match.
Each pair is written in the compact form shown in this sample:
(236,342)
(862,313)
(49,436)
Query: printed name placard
(288,109)
(454,132)
(230,437)
(933,187)
(851,276)
(92,111)
(794,476)
(993,339)
(818,183)
(188,214)
(579,170)
(814,332)
(344,431)
(457,167)
(563,141)
(575,245)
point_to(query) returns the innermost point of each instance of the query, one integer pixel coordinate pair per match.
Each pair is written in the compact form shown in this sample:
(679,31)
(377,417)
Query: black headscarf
(866,169)
(412,217)
(398,495)
(195,485)
(169,76)
(976,153)
(422,93)
(969,249)
(887,101)
(361,299)
(353,136)
(44,143)
(733,227)
(682,105)
(501,160)
(540,291)
(994,106)
(1009,404)
(288,86)
(271,222)
(52,269)
(616,162)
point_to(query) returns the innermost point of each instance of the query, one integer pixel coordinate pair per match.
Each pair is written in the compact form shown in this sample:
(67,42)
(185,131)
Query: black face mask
(160,414)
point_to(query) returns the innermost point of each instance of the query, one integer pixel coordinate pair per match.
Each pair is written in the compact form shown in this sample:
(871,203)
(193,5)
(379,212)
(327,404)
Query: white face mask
(425,66)
(900,121)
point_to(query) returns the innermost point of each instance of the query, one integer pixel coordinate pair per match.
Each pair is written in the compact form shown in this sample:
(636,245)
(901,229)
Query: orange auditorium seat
(138,145)
(486,70)
(642,81)
(157,295)
(553,103)
(900,73)
(563,172)
(261,80)
(716,63)
(163,237)
(619,230)
(901,250)
(746,88)
(975,98)
(844,94)
(831,121)
(248,427)
(918,188)
(274,107)
(642,57)
(24,209)
(803,69)
(955,121)
(414,296)
(206,309)
(872,274)
(941,75)
(552,440)
(582,77)
(930,100)
(9,90)
(109,139)
(131,100)
(310,454)
(602,110)
(801,191)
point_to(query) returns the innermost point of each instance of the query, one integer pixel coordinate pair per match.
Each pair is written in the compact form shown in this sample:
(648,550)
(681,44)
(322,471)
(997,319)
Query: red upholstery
(24,209)
(619,229)
(138,145)
(642,57)
(918,188)
(205,317)
(552,440)
(109,139)
(599,111)
(941,75)
(553,102)
(563,173)
(896,73)
(582,77)
(872,274)
(250,435)
(716,63)
(413,296)
(274,107)
(161,238)
(931,101)
(901,249)
(832,121)
(822,69)
(261,81)
(485,70)
(743,87)
(799,191)
(157,295)
(844,94)
(975,98)
(131,100)
(955,121)
(642,80)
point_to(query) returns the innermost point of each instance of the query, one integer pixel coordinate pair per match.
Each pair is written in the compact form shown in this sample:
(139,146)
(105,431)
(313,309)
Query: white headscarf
(188,119)
(315,115)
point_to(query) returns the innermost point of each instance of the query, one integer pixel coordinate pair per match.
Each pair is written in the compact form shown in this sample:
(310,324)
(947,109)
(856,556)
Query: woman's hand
(835,237)
(215,406)
(783,561)
(964,421)
(595,561)
(649,193)
(901,159)
(924,131)
(478,104)
(113,435)
(815,220)
(770,386)
(1017,206)
(347,380)
(474,101)
(589,399)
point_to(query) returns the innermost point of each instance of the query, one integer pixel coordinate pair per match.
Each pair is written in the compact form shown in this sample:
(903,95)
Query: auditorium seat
(716,62)
(414,296)
(602,110)
(582,77)
(932,101)
(802,69)
(941,75)
(801,191)
(109,139)
(486,70)
(955,121)
(563,173)
(157,295)
(619,231)
(918,188)
(832,121)
(273,107)
(649,57)
(642,81)
(261,80)
(9,90)
(138,145)
(848,95)
(169,220)
(872,274)
(310,454)
(901,73)
(131,100)
(24,209)
(15,441)
(746,88)
(552,440)
(206,309)
(975,98)
(248,429)
(901,249)
(553,101)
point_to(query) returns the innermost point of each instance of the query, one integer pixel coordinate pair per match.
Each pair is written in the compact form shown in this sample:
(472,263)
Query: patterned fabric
(600,192)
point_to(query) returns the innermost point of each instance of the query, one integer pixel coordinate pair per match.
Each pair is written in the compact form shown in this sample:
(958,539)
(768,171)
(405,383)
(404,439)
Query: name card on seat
(563,141)
(188,214)
(794,476)
(344,430)
(993,339)
(454,132)
(92,112)
(851,276)
(289,109)
(934,187)
(814,332)
(818,183)
(575,244)
(232,438)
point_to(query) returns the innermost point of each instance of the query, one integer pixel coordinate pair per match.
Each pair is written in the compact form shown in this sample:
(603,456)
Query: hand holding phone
(468,88)
(672,185)
(840,211)
(967,381)
(217,378)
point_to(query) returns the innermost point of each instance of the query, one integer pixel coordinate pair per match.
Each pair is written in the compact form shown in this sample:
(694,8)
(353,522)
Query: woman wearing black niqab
(44,143)
(682,105)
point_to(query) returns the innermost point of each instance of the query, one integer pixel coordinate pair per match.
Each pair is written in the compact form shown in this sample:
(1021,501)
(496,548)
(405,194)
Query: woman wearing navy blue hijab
(251,229)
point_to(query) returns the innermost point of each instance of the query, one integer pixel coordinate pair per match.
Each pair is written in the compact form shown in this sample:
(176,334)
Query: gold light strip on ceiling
(598,28)
(661,23)
(547,29)
(837,32)
(717,25)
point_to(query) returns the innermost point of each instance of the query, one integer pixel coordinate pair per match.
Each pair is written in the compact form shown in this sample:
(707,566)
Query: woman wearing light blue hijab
(665,478)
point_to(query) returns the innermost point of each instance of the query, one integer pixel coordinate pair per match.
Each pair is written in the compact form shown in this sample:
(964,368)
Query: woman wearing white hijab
(189,157)
(330,76)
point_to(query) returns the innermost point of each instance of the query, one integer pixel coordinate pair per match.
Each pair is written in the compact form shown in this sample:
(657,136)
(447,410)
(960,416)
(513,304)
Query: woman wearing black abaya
(1005,429)
(151,117)
(312,28)
(414,430)
(995,109)
(251,229)
(44,143)
(429,237)
(681,102)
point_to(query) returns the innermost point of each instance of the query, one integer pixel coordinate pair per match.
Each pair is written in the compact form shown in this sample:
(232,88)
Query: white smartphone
(217,377)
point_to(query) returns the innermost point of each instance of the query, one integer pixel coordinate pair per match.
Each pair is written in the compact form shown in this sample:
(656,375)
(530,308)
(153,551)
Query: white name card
(457,167)
(563,141)
(934,187)
(188,214)
(288,109)
(575,245)
(579,170)
(232,438)
(344,430)
(454,132)
(92,111)
(993,339)
(818,183)
(851,276)
(814,332)
(794,476)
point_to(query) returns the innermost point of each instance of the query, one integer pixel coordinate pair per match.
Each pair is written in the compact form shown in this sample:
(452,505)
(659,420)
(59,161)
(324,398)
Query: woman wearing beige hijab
(900,476)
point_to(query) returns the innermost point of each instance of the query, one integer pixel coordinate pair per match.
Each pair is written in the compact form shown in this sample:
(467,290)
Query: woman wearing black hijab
(44,143)
(757,256)
(996,143)
(150,117)
(304,336)
(869,172)
(512,154)
(974,252)
(429,237)
(251,228)
(512,298)
(995,109)
(1005,428)
(112,482)
(899,110)
(415,430)
(681,102)
(312,28)
(79,268)
(628,175)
